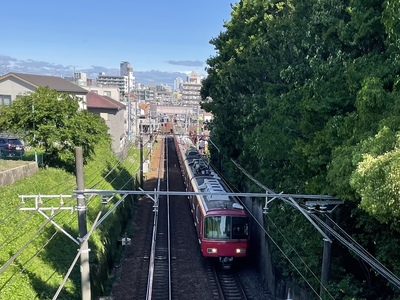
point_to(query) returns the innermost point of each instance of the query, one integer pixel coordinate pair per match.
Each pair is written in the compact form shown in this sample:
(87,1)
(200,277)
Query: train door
(199,223)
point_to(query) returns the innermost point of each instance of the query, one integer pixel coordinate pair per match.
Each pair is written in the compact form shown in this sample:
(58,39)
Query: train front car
(224,230)
(221,221)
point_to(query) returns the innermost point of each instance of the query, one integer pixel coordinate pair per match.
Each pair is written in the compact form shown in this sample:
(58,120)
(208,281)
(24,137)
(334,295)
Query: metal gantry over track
(313,203)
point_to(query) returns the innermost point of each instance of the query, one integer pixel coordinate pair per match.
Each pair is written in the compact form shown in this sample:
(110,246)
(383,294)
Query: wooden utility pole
(82,208)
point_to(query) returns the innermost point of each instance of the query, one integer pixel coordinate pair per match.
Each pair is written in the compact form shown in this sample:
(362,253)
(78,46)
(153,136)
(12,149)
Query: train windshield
(226,227)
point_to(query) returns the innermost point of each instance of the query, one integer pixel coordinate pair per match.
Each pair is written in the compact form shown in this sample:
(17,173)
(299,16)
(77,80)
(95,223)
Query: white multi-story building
(123,82)
(120,82)
(80,78)
(191,90)
(144,94)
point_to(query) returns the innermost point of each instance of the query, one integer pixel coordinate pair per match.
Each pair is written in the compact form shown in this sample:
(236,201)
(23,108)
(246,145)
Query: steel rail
(150,277)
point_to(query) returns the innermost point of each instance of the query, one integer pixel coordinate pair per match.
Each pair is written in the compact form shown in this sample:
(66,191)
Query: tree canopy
(305,96)
(53,122)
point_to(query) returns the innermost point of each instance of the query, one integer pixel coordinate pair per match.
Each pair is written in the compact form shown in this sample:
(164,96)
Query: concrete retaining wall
(13,175)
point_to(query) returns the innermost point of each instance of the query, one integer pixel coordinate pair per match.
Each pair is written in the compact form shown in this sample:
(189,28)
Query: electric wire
(85,238)
(299,256)
(283,253)
(12,259)
(21,249)
(97,223)
(28,263)
(12,237)
(15,211)
(276,244)
(54,188)
(291,204)
(25,264)
(351,244)
(5,266)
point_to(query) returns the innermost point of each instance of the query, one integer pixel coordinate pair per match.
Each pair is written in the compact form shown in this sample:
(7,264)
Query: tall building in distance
(178,82)
(123,82)
(126,70)
(191,90)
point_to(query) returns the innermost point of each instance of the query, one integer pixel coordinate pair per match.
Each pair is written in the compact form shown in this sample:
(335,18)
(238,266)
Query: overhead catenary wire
(85,238)
(299,256)
(283,252)
(352,245)
(28,261)
(21,249)
(346,239)
(12,259)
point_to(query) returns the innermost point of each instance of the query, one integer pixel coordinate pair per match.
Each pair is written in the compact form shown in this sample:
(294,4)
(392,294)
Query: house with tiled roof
(114,113)
(13,85)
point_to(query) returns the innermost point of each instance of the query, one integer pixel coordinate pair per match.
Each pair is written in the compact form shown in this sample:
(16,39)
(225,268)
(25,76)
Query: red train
(221,221)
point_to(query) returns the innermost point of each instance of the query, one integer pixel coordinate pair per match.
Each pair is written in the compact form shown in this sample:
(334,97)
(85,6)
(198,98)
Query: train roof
(218,199)
(207,181)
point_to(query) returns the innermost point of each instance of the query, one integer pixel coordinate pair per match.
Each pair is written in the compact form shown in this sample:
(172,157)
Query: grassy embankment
(35,255)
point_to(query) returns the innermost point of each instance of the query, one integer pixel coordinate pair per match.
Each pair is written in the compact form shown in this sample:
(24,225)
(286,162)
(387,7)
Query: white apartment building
(191,90)
(120,82)
(80,78)
(144,94)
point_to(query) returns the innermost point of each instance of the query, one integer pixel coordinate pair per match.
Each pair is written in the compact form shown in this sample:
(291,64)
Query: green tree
(53,122)
(305,97)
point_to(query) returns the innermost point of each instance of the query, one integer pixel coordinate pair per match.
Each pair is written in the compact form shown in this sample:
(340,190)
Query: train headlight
(240,250)
(212,250)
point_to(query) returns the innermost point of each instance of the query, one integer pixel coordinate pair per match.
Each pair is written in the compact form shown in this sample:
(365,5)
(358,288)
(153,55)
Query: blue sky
(57,36)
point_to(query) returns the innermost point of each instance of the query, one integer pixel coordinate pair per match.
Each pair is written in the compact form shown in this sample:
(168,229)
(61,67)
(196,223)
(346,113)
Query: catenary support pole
(326,261)
(141,161)
(81,208)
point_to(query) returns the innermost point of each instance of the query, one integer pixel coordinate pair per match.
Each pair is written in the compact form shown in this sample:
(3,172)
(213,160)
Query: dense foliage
(305,97)
(53,122)
(36,255)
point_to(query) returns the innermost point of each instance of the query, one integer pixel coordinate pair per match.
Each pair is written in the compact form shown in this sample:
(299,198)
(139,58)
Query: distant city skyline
(42,68)
(157,39)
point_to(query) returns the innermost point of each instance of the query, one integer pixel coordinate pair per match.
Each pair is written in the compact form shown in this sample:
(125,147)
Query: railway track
(173,268)
(159,283)
(230,286)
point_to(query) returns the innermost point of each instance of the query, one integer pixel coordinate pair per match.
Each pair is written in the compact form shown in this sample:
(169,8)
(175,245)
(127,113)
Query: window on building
(5,99)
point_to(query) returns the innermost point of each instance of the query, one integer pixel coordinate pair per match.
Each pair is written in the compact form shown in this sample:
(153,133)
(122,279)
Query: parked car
(11,147)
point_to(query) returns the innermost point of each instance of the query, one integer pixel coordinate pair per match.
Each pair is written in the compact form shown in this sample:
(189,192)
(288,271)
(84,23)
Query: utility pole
(326,261)
(129,113)
(81,208)
(141,161)
(136,118)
